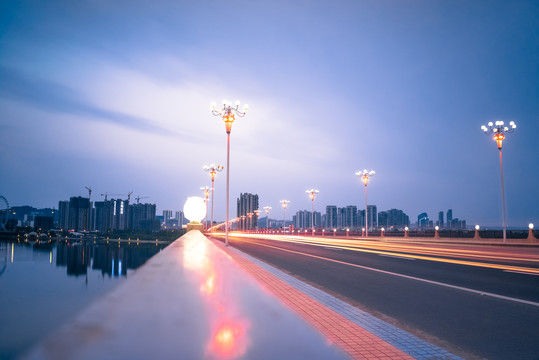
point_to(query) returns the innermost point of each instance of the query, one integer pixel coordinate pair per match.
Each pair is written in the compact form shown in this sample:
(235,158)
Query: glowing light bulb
(476,227)
(194,208)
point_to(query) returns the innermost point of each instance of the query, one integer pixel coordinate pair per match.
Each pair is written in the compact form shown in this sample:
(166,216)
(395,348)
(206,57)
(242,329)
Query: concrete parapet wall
(191,301)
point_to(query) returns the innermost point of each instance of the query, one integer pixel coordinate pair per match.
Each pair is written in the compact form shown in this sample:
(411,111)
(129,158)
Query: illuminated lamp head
(530,225)
(365,179)
(437,228)
(228,119)
(498,137)
(476,227)
(194,209)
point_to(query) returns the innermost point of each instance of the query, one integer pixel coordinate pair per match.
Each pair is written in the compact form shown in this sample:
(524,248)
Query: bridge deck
(191,301)
(200,300)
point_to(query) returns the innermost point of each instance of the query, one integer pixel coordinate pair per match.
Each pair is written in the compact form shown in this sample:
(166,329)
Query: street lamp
(267,208)
(499,130)
(365,175)
(206,192)
(213,170)
(284,203)
(228,114)
(312,193)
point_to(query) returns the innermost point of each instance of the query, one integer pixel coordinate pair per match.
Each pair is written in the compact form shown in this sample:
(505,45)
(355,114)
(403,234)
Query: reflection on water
(45,284)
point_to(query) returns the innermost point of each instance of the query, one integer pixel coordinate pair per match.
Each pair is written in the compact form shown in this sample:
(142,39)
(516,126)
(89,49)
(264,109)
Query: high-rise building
(79,218)
(341,218)
(396,218)
(372,219)
(440,222)
(111,215)
(121,208)
(247,204)
(180,218)
(104,214)
(449,217)
(331,217)
(350,217)
(141,216)
(423,220)
(303,219)
(167,215)
(63,217)
(383,219)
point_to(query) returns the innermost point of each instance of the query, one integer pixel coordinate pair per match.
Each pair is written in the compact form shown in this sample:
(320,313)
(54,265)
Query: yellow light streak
(334,244)
(368,245)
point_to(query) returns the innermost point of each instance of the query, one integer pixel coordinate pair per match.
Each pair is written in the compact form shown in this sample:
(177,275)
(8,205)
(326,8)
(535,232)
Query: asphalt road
(475,311)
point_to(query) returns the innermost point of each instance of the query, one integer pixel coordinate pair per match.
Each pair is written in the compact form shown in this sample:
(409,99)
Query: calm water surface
(41,288)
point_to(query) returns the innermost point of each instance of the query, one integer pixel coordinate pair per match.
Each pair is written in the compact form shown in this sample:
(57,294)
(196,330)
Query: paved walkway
(360,334)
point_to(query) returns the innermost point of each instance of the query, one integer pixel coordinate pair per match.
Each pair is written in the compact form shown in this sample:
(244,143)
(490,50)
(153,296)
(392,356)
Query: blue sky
(115,96)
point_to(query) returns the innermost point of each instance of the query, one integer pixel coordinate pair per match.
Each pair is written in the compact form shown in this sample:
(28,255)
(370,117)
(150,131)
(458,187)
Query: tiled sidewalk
(360,334)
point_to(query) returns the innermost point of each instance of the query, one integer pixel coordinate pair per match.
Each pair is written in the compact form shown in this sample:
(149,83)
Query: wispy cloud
(55,97)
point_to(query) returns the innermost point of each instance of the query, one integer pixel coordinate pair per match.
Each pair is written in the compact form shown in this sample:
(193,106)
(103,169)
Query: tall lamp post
(228,114)
(267,209)
(365,175)
(213,170)
(206,192)
(499,130)
(284,203)
(312,193)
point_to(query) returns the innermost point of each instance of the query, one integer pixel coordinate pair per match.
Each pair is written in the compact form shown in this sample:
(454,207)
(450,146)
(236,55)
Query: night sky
(115,95)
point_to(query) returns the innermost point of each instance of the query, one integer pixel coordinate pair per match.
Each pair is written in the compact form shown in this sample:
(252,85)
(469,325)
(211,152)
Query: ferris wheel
(4,210)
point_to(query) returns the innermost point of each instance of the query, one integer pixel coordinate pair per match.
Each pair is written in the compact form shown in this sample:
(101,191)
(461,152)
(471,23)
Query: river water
(44,285)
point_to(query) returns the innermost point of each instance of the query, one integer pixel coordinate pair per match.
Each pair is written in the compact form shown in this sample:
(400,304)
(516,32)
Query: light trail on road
(418,252)
(479,292)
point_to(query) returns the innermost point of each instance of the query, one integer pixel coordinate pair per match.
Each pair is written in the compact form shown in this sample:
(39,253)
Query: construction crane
(107,194)
(89,193)
(140,197)
(129,196)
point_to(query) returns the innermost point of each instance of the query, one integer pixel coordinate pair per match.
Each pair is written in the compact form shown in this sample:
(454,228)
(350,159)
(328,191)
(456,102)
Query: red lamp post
(228,114)
(499,130)
(312,194)
(284,203)
(365,175)
(213,170)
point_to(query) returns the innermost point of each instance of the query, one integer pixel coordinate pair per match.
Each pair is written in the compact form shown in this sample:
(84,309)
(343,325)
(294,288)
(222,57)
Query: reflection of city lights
(195,255)
(208,287)
(229,341)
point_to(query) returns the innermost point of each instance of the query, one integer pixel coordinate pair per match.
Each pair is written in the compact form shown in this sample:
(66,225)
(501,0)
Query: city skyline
(79,214)
(402,89)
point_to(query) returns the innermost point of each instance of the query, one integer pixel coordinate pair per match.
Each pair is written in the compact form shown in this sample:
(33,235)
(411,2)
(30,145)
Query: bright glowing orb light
(530,226)
(194,209)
